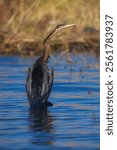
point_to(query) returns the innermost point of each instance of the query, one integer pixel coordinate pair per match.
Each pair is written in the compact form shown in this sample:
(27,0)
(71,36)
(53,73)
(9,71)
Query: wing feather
(39,84)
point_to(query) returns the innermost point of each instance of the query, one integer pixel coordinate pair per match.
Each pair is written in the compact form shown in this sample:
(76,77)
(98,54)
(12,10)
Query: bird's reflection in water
(41,127)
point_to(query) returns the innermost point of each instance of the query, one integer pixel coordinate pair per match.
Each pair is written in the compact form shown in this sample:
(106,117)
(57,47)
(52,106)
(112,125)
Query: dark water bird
(40,77)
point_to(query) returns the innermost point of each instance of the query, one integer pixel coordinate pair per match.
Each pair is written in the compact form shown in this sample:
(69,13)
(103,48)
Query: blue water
(72,123)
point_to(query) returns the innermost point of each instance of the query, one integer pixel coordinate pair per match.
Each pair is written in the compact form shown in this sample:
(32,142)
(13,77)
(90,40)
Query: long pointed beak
(68,25)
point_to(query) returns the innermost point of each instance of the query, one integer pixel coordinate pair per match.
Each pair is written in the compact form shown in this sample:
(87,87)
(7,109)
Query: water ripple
(71,123)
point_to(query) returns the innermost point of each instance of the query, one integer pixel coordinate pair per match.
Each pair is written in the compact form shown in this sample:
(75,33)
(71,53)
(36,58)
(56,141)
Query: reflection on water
(40,121)
(71,123)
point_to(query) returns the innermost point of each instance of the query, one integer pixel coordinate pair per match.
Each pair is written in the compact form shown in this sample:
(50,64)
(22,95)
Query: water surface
(72,123)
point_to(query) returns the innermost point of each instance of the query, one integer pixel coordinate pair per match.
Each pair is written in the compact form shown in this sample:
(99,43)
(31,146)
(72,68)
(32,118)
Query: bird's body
(39,84)
(40,78)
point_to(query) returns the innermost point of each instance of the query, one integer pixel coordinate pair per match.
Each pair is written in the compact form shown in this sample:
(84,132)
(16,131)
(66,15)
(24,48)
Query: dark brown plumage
(40,78)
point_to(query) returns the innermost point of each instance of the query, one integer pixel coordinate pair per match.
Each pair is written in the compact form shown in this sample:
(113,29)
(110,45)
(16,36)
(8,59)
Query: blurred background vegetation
(25,23)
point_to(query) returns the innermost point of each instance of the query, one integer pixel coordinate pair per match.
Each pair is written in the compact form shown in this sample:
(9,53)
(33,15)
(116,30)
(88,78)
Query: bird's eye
(60,26)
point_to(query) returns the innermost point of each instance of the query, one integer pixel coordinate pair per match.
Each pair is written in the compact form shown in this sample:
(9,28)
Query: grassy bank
(25,23)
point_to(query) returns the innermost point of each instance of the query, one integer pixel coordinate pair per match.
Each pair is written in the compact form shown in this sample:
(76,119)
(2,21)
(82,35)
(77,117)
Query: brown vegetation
(25,23)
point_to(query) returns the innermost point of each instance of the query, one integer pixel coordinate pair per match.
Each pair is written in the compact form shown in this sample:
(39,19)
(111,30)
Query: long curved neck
(47,46)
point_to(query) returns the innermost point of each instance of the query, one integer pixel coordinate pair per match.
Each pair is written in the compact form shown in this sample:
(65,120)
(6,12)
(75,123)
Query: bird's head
(52,33)
(56,29)
(62,26)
